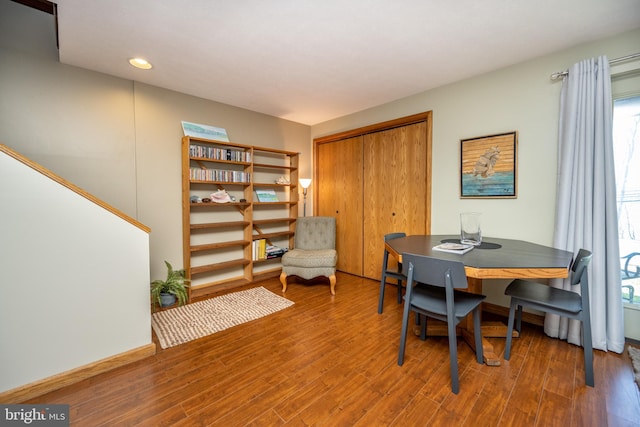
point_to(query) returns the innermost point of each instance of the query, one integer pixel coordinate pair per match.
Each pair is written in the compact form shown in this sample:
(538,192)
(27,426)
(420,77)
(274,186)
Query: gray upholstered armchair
(314,254)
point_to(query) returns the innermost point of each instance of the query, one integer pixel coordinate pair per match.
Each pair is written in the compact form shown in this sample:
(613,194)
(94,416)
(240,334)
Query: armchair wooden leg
(332,281)
(283,280)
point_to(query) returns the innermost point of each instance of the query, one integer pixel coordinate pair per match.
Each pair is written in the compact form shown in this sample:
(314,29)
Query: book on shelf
(259,249)
(217,153)
(198,174)
(262,251)
(266,196)
(454,248)
(275,251)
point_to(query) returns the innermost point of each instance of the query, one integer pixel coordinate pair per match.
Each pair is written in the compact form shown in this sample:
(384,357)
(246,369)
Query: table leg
(490,357)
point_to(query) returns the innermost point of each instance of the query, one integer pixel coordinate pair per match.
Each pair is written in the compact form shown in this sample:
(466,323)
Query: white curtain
(586,215)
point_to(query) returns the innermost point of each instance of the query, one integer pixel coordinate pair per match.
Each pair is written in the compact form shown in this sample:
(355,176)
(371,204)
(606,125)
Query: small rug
(189,322)
(634,354)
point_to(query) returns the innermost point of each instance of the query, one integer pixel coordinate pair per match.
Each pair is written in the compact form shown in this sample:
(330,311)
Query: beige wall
(158,116)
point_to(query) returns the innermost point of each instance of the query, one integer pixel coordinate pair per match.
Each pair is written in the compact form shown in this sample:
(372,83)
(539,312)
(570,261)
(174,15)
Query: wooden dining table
(495,258)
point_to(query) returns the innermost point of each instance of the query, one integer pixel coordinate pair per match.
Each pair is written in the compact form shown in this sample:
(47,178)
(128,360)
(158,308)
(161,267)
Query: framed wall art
(488,166)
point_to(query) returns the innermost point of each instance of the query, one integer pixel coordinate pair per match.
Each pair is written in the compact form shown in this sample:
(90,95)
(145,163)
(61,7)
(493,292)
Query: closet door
(395,189)
(339,180)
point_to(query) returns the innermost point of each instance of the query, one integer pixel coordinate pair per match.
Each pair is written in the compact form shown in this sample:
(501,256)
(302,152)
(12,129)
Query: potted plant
(166,292)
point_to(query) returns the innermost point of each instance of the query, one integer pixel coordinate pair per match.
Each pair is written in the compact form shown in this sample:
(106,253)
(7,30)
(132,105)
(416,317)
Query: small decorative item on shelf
(266,196)
(282,180)
(221,196)
(196,199)
(174,287)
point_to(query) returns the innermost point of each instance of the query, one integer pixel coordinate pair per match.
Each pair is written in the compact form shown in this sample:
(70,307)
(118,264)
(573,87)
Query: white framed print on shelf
(266,196)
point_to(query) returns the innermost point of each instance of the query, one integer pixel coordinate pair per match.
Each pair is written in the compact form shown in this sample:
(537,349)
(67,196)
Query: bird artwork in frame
(488,166)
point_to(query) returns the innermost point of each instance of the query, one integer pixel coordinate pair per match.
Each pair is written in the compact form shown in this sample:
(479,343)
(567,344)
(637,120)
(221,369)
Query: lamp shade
(305,182)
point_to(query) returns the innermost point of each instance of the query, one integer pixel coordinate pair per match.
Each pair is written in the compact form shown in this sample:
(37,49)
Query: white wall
(632,321)
(521,98)
(117,139)
(75,279)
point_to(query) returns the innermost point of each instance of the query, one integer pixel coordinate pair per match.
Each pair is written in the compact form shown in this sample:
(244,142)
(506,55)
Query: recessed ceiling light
(140,63)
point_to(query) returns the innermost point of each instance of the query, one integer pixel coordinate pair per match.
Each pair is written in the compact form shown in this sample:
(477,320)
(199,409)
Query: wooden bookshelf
(218,237)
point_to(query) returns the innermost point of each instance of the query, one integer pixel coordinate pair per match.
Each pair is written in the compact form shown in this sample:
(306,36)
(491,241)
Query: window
(626,146)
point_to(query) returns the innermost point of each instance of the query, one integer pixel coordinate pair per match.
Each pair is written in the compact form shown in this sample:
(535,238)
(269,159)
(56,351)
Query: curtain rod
(560,74)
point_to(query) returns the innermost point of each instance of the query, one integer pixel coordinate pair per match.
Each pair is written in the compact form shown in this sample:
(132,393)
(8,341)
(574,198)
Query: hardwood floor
(332,361)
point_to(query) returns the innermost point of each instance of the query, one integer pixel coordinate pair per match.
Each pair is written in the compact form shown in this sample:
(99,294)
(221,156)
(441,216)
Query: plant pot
(167,300)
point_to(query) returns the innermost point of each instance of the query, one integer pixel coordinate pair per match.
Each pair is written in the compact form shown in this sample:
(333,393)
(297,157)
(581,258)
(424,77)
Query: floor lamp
(305,183)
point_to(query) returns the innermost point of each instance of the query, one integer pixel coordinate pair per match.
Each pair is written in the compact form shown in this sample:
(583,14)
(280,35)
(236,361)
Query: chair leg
(381,298)
(283,280)
(588,353)
(403,333)
(512,313)
(631,292)
(383,281)
(519,319)
(400,285)
(453,355)
(332,282)
(423,327)
(478,335)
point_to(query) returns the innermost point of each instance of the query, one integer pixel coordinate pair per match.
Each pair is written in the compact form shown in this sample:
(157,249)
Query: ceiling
(313,60)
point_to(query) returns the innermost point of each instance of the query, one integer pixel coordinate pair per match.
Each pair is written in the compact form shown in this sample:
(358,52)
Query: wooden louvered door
(339,186)
(375,180)
(395,189)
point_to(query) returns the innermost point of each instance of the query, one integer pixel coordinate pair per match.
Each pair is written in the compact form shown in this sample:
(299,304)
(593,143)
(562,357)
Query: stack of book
(263,251)
(275,252)
(259,249)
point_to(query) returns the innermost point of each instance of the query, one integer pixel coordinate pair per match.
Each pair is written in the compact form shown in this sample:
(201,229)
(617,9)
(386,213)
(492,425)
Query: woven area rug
(634,354)
(189,322)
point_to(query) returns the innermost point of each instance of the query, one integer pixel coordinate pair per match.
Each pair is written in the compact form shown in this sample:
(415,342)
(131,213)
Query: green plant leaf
(176,283)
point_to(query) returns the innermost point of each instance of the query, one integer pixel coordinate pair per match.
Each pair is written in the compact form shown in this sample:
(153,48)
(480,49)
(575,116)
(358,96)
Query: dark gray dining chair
(538,296)
(386,273)
(629,272)
(438,298)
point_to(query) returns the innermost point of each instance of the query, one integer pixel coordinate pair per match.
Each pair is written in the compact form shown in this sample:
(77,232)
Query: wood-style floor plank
(332,360)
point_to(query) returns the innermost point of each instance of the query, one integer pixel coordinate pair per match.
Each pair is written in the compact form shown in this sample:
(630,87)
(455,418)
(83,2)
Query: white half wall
(75,279)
